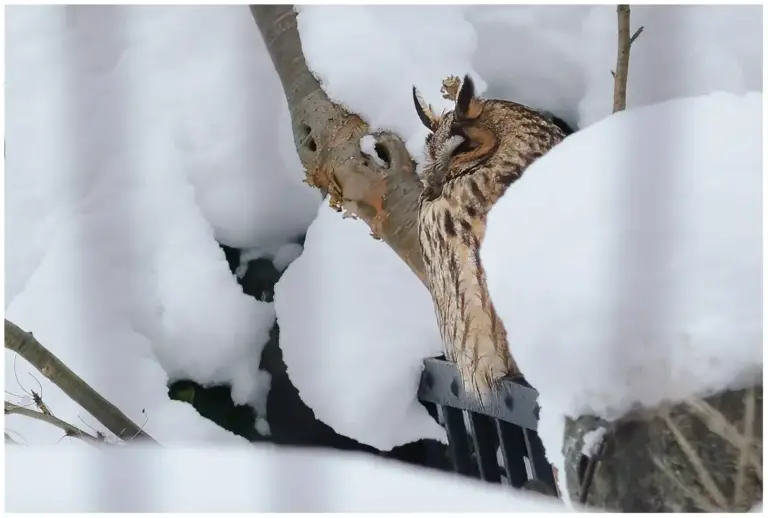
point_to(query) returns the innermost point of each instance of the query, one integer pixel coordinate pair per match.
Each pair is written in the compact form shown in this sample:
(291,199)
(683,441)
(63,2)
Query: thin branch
(29,348)
(718,424)
(21,440)
(99,434)
(699,499)
(745,450)
(589,473)
(622,59)
(689,451)
(9,439)
(69,430)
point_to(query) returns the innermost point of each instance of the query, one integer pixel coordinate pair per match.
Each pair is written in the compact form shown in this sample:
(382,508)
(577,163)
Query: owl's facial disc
(451,145)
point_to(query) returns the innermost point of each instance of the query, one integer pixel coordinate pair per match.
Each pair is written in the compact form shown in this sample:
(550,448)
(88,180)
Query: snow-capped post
(28,347)
(327,139)
(622,58)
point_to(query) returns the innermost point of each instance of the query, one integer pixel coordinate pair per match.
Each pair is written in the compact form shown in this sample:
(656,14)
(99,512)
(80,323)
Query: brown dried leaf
(450,89)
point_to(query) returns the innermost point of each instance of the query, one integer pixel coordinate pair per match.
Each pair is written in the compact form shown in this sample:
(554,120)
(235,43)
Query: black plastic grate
(496,442)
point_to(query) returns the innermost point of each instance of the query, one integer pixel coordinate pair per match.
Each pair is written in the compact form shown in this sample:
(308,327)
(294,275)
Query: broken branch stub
(450,88)
(327,139)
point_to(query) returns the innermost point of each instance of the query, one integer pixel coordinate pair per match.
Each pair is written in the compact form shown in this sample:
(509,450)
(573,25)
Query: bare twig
(29,348)
(622,59)
(146,420)
(21,440)
(699,499)
(718,424)
(589,475)
(9,439)
(69,430)
(18,381)
(689,451)
(589,472)
(99,434)
(745,450)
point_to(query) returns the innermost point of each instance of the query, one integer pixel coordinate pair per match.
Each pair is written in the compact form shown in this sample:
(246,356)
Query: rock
(650,458)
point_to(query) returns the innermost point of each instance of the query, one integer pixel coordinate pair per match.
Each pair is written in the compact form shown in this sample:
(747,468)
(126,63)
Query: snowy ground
(256,479)
(132,143)
(627,262)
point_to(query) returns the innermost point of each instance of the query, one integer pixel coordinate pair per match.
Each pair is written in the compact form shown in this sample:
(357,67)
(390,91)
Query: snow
(368,147)
(395,48)
(355,326)
(235,479)
(592,441)
(286,254)
(224,130)
(569,52)
(281,256)
(126,160)
(626,263)
(565,69)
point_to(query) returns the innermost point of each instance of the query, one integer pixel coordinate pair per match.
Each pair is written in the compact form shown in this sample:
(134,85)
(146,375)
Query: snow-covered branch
(328,138)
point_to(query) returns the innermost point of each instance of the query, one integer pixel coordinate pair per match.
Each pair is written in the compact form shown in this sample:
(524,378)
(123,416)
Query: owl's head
(502,136)
(460,138)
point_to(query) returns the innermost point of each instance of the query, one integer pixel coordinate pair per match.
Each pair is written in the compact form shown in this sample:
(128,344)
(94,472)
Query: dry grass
(749,457)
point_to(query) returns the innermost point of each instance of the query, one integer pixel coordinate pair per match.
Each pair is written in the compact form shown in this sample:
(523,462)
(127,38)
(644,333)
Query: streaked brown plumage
(472,155)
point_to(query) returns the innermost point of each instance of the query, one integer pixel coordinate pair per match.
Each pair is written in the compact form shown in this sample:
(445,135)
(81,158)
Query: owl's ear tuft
(468,106)
(424,111)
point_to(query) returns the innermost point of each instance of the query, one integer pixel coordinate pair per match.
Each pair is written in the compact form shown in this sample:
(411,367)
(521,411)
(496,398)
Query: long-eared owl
(472,155)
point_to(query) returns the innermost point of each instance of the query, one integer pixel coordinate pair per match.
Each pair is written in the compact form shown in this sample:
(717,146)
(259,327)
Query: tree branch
(327,140)
(621,74)
(27,346)
(68,429)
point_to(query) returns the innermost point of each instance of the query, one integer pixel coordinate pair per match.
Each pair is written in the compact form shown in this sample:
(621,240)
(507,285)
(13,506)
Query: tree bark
(327,139)
(621,74)
(622,61)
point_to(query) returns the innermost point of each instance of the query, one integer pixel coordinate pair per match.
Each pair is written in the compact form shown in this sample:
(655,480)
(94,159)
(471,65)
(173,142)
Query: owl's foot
(480,377)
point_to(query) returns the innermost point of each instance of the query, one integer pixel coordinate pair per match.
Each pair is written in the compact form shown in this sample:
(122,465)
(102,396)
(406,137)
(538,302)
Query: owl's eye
(464,147)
